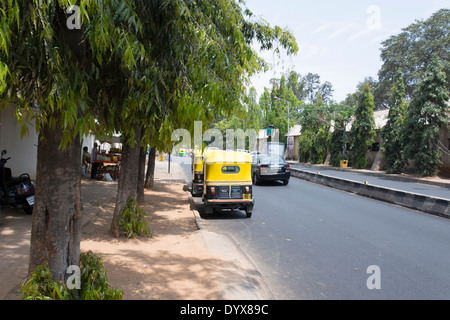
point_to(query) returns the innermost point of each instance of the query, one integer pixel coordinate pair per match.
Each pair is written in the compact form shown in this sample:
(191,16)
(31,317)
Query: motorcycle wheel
(28,209)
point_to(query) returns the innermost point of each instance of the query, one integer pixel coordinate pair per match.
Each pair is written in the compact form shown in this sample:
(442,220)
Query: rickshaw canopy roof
(222,156)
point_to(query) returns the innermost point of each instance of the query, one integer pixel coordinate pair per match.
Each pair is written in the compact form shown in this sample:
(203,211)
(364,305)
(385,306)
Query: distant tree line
(412,83)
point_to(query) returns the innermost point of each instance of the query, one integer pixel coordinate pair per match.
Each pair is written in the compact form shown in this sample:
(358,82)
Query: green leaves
(94,285)
(132,220)
(427,112)
(3,73)
(173,61)
(392,133)
(41,286)
(412,50)
(362,133)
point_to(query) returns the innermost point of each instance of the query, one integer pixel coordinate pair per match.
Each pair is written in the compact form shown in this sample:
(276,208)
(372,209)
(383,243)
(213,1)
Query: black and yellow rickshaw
(182,152)
(227,181)
(197,174)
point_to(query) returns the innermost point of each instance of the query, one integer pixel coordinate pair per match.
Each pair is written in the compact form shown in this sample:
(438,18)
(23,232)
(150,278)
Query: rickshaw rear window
(230,169)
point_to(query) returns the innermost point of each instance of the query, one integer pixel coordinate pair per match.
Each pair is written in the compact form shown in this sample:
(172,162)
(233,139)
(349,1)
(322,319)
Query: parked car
(254,154)
(267,167)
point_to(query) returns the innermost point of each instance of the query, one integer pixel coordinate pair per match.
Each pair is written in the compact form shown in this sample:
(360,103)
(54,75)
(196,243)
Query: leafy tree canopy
(363,129)
(158,63)
(413,49)
(392,132)
(427,113)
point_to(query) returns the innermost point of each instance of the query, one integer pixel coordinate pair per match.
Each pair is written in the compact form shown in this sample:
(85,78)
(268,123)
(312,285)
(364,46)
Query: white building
(23,151)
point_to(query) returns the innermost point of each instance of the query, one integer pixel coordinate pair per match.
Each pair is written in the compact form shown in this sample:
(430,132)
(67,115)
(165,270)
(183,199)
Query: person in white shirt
(95,165)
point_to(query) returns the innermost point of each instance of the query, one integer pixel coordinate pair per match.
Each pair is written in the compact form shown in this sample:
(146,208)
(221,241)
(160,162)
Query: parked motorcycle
(17,192)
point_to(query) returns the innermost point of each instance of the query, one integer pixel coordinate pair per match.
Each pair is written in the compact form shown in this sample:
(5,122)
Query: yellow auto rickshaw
(227,181)
(197,174)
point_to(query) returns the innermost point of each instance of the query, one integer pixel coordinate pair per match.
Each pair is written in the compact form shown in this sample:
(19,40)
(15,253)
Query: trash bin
(344,163)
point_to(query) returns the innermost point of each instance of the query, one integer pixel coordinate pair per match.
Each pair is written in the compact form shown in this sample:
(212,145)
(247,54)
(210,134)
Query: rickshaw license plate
(247,196)
(30,200)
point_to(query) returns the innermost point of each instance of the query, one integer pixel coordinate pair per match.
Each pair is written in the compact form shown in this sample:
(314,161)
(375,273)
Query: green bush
(337,140)
(42,286)
(94,285)
(305,143)
(132,221)
(362,134)
(320,145)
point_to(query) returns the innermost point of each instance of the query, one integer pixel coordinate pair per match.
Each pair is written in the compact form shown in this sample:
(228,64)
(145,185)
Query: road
(382,181)
(313,242)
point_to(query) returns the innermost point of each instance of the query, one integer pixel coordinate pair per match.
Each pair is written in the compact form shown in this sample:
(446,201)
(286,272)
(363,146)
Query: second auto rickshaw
(227,181)
(197,174)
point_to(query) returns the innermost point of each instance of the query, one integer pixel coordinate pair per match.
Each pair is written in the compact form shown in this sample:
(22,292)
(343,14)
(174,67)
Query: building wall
(23,151)
(294,153)
(444,138)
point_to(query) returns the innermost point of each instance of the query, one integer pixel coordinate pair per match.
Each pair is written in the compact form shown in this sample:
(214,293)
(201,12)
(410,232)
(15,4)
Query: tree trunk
(128,180)
(57,213)
(141,175)
(150,169)
(141,171)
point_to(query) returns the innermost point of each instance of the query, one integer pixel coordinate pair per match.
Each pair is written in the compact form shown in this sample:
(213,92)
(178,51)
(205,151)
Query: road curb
(256,288)
(393,177)
(198,219)
(428,204)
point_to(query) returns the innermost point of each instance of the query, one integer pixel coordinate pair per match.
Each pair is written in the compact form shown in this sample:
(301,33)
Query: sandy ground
(173,264)
(179,261)
(15,231)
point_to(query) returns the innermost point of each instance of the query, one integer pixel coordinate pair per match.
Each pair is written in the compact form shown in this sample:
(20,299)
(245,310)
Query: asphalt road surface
(314,242)
(382,181)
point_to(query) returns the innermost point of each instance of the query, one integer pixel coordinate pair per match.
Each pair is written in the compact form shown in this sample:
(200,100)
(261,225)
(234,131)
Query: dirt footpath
(175,264)
(179,262)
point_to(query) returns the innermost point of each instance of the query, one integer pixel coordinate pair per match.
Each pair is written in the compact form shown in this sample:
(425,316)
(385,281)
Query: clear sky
(338,40)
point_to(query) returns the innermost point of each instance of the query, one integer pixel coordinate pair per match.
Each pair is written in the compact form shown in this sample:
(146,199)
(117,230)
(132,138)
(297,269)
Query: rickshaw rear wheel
(255,179)
(249,211)
(207,209)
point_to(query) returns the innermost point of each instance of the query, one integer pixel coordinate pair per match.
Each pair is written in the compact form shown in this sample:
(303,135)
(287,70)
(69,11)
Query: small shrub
(132,221)
(41,286)
(94,285)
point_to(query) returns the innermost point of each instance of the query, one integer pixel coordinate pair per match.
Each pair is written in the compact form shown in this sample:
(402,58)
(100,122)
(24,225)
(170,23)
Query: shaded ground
(15,232)
(178,262)
(173,264)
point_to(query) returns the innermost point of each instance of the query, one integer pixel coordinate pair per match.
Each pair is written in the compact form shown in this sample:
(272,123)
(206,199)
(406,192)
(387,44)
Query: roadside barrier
(432,205)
